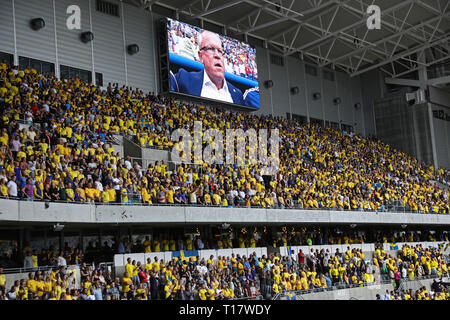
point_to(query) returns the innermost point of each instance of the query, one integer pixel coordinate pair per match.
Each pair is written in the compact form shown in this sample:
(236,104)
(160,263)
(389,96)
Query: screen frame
(216,101)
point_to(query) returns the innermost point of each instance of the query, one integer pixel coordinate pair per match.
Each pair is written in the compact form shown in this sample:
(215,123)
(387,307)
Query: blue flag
(393,246)
(291,295)
(185,255)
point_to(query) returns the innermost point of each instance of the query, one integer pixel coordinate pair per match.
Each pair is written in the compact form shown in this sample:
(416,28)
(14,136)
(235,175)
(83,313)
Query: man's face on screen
(211,55)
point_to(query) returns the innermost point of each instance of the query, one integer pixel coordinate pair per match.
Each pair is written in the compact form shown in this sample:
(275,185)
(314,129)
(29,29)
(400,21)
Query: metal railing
(48,268)
(136,201)
(260,297)
(26,270)
(334,287)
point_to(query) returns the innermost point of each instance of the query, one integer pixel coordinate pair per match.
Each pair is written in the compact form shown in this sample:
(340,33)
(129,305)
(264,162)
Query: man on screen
(210,82)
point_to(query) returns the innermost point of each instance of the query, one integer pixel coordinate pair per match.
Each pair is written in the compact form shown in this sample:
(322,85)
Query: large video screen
(211,66)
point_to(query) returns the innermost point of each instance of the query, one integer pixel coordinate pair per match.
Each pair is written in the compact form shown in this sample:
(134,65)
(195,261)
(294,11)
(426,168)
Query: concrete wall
(279,100)
(106,54)
(25,211)
(372,88)
(439,96)
(119,146)
(442,137)
(152,155)
(120,260)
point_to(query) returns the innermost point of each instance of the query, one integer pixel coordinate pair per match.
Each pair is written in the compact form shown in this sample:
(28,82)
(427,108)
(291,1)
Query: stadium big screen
(211,66)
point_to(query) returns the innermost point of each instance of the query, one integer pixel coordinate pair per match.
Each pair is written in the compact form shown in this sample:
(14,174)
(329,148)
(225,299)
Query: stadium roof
(331,33)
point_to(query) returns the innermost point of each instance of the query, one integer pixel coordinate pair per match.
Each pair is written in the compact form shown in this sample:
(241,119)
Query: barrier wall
(399,245)
(331,248)
(364,293)
(25,211)
(366,247)
(120,260)
(11,277)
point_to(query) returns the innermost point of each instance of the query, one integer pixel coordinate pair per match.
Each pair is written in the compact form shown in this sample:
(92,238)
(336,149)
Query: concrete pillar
(423,77)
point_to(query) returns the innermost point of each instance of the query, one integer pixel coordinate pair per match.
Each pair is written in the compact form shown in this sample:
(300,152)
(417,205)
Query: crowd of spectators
(230,277)
(164,242)
(234,277)
(206,279)
(437,292)
(412,262)
(70,157)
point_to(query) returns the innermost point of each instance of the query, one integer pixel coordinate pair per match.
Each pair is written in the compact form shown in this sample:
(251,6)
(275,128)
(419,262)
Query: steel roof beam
(413,36)
(222,7)
(437,81)
(363,20)
(403,54)
(381,41)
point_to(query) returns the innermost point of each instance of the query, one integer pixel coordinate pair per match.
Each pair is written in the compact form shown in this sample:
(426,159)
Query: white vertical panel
(344,91)
(328,95)
(7,26)
(35,44)
(134,256)
(72,51)
(108,46)
(296,79)
(224,252)
(119,261)
(263,251)
(142,69)
(240,251)
(262,62)
(167,256)
(152,255)
(314,85)
(257,250)
(357,98)
(207,253)
(280,91)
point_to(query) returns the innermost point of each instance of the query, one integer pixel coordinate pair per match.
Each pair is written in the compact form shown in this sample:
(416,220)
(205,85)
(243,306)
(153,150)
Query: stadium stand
(64,153)
(71,159)
(93,205)
(235,276)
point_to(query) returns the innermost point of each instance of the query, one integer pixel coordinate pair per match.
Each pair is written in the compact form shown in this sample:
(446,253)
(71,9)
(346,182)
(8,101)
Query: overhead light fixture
(58,227)
(337,101)
(225,225)
(268,84)
(87,36)
(37,24)
(133,49)
(316,95)
(295,90)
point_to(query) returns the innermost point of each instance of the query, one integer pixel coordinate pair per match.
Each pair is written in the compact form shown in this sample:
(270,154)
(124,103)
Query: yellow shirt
(202,294)
(126,284)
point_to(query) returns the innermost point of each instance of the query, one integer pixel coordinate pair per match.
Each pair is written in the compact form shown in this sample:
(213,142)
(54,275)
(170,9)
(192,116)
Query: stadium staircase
(145,155)
(440,184)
